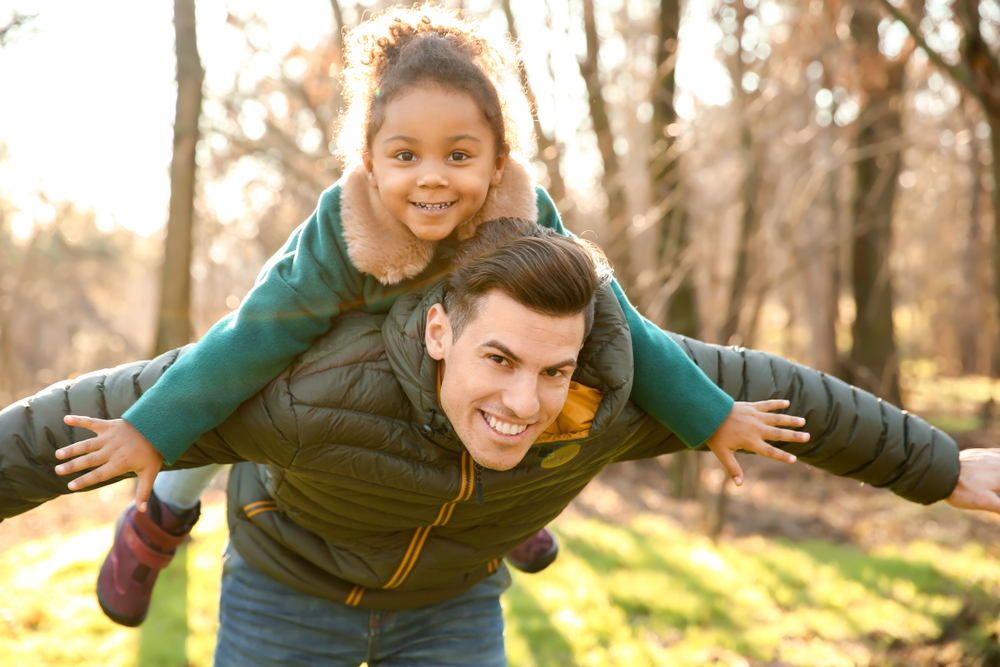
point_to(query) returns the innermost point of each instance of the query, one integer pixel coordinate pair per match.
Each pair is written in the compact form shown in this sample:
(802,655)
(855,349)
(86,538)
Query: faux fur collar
(382,246)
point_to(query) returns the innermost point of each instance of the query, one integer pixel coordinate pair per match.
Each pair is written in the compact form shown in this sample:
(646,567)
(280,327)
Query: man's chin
(493,462)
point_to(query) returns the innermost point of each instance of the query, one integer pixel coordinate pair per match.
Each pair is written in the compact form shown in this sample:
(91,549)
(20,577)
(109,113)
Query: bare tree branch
(17,20)
(959,72)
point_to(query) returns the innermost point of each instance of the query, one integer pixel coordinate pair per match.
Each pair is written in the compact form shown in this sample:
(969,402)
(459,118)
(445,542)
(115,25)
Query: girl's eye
(405,156)
(458,156)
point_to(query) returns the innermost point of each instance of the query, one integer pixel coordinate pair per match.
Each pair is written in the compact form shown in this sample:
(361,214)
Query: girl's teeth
(504,427)
(434,207)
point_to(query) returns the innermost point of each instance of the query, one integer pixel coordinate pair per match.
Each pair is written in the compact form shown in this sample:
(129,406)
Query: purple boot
(145,542)
(536,554)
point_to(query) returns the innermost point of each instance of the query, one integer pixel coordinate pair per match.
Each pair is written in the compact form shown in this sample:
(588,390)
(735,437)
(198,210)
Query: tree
(174,317)
(874,363)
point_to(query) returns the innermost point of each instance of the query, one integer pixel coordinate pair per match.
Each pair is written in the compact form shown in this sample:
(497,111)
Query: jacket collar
(383,247)
(605,362)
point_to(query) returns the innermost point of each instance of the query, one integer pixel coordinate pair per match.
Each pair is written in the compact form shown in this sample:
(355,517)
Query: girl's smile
(433,160)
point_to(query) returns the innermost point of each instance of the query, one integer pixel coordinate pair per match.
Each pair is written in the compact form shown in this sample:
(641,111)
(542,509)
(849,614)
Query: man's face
(506,377)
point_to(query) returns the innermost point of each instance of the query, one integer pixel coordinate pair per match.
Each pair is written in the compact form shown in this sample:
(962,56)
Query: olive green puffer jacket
(354,487)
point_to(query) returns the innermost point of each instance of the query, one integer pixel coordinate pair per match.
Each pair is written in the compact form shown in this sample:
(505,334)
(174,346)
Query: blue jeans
(263,622)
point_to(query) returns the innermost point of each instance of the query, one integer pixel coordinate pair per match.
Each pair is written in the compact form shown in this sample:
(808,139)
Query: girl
(434,148)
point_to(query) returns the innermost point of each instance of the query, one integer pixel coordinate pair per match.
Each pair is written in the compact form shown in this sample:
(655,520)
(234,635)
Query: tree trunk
(874,363)
(682,309)
(548,149)
(174,319)
(615,243)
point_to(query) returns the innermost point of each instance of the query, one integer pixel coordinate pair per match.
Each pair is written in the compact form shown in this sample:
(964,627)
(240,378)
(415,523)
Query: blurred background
(815,178)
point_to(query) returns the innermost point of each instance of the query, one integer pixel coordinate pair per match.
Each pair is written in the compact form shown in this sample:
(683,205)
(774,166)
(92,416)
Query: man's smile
(503,428)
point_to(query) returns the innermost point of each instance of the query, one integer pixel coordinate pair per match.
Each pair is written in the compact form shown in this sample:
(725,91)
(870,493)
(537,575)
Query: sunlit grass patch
(641,594)
(650,593)
(49,613)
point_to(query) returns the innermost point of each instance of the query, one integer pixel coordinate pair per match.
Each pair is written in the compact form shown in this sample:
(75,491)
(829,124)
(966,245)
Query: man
(382,478)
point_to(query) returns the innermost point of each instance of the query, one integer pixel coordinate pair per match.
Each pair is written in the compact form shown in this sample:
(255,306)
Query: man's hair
(535,266)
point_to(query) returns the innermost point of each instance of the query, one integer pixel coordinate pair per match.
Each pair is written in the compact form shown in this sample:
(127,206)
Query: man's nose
(432,176)
(521,396)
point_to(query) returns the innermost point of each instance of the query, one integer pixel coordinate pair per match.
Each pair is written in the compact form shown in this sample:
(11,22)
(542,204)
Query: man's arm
(32,430)
(852,433)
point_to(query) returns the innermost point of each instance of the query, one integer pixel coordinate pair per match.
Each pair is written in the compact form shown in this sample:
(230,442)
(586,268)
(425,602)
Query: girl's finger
(144,489)
(773,452)
(778,419)
(785,435)
(98,474)
(78,448)
(773,404)
(94,460)
(729,462)
(89,423)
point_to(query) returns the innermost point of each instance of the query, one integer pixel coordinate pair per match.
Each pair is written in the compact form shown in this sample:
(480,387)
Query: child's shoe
(145,542)
(536,554)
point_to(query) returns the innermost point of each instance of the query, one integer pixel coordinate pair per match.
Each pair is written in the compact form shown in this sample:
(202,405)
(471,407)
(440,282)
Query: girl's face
(433,160)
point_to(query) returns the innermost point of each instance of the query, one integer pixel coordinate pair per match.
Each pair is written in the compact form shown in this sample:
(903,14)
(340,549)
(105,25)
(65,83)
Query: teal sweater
(311,280)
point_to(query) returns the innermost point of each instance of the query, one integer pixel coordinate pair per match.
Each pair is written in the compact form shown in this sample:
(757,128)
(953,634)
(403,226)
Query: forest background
(815,178)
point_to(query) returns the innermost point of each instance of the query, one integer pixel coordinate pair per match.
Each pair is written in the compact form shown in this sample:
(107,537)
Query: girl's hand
(118,449)
(747,427)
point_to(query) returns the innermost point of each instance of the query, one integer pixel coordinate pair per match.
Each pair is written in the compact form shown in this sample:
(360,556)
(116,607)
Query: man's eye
(497,359)
(553,373)
(406,156)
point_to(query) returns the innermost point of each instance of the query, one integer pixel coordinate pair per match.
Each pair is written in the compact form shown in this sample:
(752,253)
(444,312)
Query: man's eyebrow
(513,357)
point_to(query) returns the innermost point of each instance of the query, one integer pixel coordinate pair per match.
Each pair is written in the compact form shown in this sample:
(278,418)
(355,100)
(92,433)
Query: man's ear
(498,169)
(437,335)
(366,160)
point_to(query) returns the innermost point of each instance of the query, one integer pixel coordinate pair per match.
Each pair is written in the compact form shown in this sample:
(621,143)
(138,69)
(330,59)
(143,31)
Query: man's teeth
(504,427)
(434,207)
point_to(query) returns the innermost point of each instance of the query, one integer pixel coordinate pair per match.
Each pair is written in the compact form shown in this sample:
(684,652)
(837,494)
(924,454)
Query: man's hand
(978,480)
(747,427)
(118,448)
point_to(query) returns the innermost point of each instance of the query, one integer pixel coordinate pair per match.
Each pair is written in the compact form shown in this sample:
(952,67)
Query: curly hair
(405,46)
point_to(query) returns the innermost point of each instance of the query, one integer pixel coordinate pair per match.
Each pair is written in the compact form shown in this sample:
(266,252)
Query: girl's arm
(667,384)
(298,292)
(301,288)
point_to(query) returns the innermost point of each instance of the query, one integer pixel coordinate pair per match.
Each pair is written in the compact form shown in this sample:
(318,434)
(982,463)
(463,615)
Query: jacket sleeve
(301,288)
(853,433)
(32,430)
(666,385)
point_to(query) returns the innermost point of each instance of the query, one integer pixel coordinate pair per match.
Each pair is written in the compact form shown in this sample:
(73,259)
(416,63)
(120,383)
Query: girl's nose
(432,178)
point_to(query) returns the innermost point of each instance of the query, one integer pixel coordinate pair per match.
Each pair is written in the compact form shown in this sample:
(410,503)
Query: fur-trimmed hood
(383,247)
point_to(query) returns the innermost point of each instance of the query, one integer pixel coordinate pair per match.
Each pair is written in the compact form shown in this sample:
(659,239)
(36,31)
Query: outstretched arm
(978,481)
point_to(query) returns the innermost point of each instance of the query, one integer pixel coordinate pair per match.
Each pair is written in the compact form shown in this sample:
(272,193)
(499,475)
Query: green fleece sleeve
(667,384)
(302,287)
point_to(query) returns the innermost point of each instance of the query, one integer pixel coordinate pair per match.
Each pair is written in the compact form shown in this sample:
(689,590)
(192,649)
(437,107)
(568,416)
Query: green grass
(646,593)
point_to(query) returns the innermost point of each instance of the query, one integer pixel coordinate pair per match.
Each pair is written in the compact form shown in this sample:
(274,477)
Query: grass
(645,593)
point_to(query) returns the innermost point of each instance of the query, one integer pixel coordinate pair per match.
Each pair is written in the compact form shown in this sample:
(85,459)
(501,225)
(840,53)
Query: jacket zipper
(478,483)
